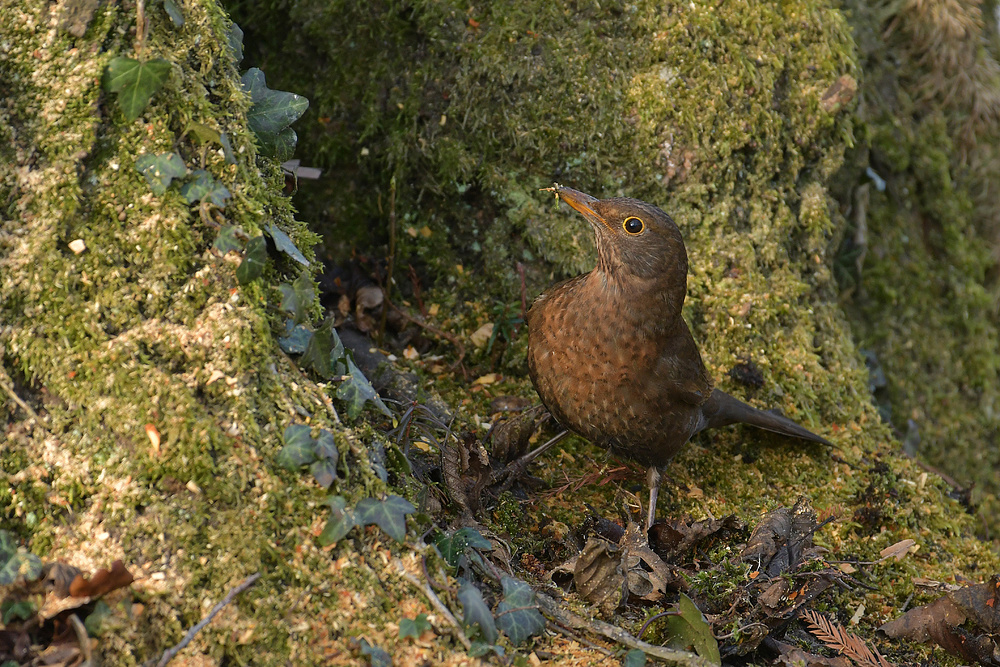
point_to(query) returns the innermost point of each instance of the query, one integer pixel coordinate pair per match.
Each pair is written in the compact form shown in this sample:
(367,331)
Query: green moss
(147,333)
(924,300)
(712,111)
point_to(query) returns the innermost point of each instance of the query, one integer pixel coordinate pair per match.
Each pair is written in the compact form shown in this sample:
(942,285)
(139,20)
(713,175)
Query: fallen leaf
(897,550)
(103,581)
(482,335)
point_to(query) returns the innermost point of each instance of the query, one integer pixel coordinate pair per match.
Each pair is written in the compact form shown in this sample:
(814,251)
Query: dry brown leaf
(679,536)
(646,574)
(939,622)
(897,550)
(598,577)
(58,577)
(103,581)
(777,542)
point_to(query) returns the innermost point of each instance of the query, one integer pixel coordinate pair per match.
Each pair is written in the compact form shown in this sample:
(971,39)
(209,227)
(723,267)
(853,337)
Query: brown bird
(612,358)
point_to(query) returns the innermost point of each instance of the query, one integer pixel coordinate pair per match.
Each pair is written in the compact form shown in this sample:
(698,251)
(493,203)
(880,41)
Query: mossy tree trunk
(119,323)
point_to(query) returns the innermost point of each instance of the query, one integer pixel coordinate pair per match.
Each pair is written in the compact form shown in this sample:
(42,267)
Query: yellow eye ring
(633,226)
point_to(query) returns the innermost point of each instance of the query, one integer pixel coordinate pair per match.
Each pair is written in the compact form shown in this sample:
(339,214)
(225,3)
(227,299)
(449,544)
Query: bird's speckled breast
(601,379)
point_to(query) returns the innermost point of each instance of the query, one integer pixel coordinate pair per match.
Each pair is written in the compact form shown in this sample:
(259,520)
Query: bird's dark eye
(633,225)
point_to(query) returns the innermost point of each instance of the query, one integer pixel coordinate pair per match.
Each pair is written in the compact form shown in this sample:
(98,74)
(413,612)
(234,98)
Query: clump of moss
(923,244)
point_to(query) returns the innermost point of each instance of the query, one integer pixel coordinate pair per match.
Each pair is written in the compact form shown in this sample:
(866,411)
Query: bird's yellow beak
(581,201)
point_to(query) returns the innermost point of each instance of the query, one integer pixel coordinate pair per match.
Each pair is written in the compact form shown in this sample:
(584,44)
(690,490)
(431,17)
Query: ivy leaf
(135,82)
(234,38)
(296,338)
(298,450)
(389,515)
(324,471)
(326,446)
(8,547)
(634,658)
(690,629)
(376,656)
(160,169)
(298,297)
(270,114)
(284,243)
(253,262)
(515,615)
(476,612)
(20,609)
(414,627)
(95,622)
(452,546)
(14,564)
(317,355)
(174,12)
(203,187)
(20,566)
(227,240)
(339,523)
(356,390)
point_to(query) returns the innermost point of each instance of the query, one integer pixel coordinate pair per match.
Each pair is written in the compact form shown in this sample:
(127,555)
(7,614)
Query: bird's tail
(721,409)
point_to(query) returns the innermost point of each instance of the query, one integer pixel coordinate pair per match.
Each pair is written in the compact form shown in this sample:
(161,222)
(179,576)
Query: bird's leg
(653,481)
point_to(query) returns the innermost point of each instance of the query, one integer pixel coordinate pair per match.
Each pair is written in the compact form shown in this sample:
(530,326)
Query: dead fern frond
(842,641)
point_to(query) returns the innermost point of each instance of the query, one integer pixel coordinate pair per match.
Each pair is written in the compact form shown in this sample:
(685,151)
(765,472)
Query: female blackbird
(612,358)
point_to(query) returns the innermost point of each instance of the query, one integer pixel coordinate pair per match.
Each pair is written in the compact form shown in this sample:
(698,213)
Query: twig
(427,574)
(434,330)
(17,399)
(434,600)
(614,633)
(391,259)
(141,25)
(566,632)
(169,654)
(415,284)
(741,629)
(82,639)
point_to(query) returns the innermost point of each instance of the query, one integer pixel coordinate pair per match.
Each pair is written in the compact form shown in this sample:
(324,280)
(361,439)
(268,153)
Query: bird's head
(637,243)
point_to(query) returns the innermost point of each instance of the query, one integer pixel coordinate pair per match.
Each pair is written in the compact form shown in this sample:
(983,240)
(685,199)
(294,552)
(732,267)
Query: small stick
(391,259)
(17,399)
(81,637)
(566,632)
(436,601)
(614,633)
(169,654)
(434,330)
